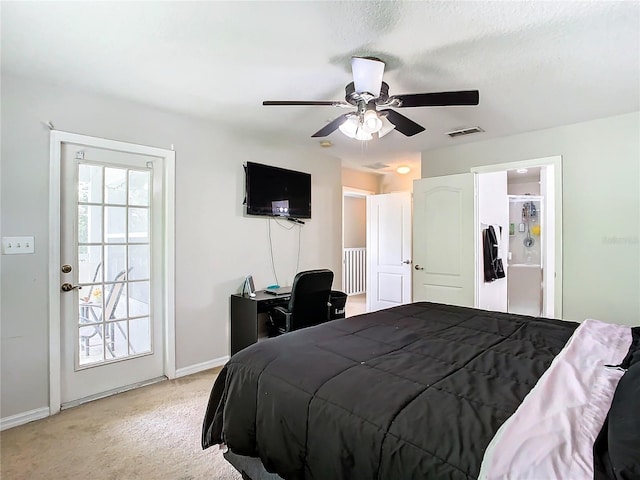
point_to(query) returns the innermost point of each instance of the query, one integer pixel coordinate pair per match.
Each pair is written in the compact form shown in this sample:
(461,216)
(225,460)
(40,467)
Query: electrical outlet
(17,245)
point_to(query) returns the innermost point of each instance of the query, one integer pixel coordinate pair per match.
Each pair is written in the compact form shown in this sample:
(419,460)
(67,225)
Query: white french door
(112,270)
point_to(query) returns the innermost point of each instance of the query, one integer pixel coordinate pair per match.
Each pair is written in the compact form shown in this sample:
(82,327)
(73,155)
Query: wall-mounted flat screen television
(276,191)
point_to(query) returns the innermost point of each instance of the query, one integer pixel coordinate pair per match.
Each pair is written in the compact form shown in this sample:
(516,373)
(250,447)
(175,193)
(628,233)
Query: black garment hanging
(493,268)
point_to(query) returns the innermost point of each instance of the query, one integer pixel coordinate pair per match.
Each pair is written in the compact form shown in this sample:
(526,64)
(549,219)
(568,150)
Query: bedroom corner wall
(396,182)
(355,229)
(216,245)
(601,207)
(361,180)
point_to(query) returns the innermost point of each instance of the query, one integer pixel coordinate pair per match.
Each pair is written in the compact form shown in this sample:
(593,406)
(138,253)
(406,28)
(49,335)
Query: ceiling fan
(374,114)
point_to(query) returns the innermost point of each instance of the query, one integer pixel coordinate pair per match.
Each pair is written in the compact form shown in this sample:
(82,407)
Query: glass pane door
(114,257)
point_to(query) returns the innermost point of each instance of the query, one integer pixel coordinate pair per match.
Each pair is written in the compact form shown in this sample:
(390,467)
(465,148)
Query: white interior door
(493,209)
(444,240)
(388,250)
(111,265)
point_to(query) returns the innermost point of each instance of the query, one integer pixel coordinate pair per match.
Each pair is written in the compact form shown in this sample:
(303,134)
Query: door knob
(67,287)
(408,262)
(418,267)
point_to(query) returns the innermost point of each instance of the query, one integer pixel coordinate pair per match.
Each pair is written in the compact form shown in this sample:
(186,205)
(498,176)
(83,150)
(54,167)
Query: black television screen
(277,191)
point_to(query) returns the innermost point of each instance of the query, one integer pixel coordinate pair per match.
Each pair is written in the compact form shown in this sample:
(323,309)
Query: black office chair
(308,305)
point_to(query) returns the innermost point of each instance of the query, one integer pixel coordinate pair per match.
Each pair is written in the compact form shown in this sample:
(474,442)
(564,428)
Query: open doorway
(389,181)
(354,248)
(527,250)
(522,201)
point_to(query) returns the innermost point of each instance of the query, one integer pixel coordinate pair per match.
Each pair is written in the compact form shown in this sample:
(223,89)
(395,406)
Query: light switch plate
(17,245)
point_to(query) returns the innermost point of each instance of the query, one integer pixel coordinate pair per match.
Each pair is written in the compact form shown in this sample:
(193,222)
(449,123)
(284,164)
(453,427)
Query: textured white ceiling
(536,64)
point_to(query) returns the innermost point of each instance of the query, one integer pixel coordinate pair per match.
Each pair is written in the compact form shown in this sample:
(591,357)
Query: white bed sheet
(551,434)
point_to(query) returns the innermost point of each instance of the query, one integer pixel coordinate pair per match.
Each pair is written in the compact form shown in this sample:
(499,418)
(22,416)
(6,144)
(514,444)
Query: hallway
(356,304)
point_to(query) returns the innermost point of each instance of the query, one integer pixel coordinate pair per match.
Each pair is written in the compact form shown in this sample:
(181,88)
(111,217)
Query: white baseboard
(199,367)
(22,418)
(108,393)
(38,413)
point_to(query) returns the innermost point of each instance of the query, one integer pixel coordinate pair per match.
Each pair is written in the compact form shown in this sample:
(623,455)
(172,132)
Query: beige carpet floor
(148,433)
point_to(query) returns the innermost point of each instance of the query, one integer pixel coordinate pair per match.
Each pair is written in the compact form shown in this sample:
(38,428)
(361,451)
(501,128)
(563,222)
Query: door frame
(57,138)
(358,193)
(556,162)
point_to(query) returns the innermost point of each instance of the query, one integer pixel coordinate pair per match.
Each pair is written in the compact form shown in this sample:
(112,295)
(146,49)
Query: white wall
(355,225)
(395,182)
(216,245)
(524,187)
(601,207)
(361,180)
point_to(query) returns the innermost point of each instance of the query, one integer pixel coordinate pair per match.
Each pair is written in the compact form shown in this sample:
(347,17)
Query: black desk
(246,326)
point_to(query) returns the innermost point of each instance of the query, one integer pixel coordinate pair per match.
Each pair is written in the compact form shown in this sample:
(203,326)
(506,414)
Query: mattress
(412,392)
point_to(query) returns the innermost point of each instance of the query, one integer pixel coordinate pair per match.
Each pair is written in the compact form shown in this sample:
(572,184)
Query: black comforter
(411,392)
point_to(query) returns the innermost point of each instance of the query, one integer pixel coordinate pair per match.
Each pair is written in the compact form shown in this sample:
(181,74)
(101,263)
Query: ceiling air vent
(464,131)
(377,166)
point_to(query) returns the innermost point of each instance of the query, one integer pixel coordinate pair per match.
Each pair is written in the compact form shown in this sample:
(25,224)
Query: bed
(427,390)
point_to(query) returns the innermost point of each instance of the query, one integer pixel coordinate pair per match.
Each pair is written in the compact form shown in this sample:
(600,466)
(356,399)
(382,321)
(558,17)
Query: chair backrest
(309,303)
(114,294)
(96,274)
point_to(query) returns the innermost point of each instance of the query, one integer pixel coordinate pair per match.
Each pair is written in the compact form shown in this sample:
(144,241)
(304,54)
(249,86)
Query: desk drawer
(265,305)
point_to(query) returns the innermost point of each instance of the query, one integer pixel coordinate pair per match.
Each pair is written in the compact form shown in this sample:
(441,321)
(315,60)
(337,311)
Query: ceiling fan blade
(328,103)
(332,126)
(403,124)
(439,99)
(367,75)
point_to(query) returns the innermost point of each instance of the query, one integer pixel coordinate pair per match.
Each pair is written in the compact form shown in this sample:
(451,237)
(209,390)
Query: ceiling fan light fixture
(368,92)
(367,75)
(350,126)
(403,169)
(371,122)
(362,134)
(386,127)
